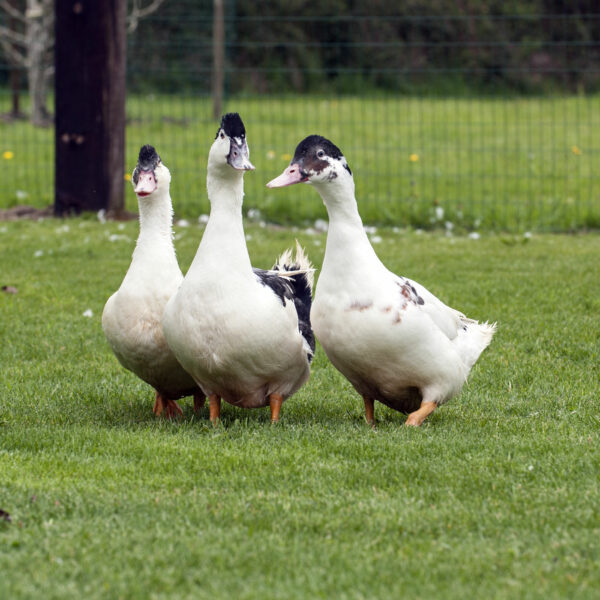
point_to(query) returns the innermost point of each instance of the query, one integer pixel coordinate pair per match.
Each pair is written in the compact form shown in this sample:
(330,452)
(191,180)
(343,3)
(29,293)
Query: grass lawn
(496,496)
(490,163)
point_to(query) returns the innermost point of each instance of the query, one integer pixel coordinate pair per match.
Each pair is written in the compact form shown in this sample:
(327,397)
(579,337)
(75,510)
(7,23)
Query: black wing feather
(296,288)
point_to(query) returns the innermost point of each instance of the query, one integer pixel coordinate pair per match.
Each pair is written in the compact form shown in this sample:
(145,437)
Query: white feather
(305,267)
(131,319)
(386,334)
(231,332)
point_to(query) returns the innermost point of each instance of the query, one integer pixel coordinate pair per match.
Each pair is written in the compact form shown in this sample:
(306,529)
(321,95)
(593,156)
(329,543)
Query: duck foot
(214,406)
(199,401)
(369,411)
(415,419)
(169,407)
(275,402)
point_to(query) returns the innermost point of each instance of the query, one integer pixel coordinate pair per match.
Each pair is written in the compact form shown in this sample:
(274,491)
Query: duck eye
(222,135)
(320,153)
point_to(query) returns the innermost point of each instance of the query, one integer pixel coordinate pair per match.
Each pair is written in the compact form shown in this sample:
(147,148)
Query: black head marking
(313,143)
(232,125)
(148,155)
(148,160)
(312,151)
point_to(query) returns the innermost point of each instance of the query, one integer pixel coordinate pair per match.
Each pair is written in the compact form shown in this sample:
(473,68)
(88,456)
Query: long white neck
(223,241)
(348,248)
(155,241)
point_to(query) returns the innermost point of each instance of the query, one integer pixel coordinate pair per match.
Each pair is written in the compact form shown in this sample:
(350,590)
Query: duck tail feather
(476,338)
(290,267)
(299,272)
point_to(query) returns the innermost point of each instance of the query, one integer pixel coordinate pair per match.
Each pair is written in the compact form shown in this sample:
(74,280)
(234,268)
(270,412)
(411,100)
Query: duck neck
(348,246)
(224,236)
(156,221)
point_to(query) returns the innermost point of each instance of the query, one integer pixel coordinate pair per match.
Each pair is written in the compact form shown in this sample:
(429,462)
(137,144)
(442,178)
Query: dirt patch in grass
(31,213)
(25,212)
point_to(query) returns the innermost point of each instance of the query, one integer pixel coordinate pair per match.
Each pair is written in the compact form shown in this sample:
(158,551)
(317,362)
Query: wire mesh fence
(479,120)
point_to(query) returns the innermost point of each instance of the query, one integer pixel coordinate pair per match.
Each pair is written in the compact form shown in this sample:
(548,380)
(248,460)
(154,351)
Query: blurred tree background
(488,109)
(441,46)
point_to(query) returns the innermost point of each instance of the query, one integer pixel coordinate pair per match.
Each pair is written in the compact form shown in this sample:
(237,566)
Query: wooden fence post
(218,79)
(89,105)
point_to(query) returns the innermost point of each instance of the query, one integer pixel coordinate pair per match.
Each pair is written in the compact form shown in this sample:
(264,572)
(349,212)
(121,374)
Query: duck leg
(199,401)
(169,407)
(369,410)
(415,419)
(158,405)
(275,401)
(214,405)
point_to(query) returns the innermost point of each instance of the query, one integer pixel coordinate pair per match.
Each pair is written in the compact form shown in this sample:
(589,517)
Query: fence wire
(450,120)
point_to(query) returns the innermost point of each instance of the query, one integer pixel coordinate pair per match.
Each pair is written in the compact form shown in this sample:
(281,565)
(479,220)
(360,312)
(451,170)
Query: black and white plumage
(392,338)
(292,280)
(244,334)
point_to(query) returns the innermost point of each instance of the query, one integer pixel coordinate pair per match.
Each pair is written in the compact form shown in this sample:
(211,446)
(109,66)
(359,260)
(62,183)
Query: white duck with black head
(243,333)
(132,315)
(393,339)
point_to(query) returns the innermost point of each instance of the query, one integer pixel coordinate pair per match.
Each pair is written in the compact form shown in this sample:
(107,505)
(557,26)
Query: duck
(243,333)
(132,316)
(395,341)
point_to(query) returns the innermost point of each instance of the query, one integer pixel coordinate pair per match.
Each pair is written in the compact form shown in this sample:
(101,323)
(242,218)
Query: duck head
(149,174)
(316,161)
(230,148)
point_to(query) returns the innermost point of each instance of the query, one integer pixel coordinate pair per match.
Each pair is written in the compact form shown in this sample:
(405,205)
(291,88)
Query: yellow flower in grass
(127,177)
(8,155)
(286,156)
(414,158)
(575,150)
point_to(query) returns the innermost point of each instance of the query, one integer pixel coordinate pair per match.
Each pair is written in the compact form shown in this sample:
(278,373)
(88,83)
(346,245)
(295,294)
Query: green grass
(503,164)
(496,496)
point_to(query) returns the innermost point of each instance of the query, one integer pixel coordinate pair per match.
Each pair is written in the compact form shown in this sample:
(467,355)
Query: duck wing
(447,319)
(293,280)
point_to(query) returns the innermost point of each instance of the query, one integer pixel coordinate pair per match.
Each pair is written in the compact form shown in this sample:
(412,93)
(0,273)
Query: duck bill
(239,156)
(293,174)
(146,183)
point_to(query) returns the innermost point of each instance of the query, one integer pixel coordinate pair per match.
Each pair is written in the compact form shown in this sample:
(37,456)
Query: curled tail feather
(474,339)
(300,273)
(287,266)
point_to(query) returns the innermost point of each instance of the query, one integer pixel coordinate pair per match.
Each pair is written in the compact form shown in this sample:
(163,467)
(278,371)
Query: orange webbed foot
(173,410)
(415,419)
(170,408)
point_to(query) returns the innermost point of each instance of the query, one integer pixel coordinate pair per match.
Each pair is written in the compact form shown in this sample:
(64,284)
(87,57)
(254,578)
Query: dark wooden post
(218,80)
(89,105)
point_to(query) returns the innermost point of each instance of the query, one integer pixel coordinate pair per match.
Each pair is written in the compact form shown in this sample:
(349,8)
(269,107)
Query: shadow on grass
(133,410)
